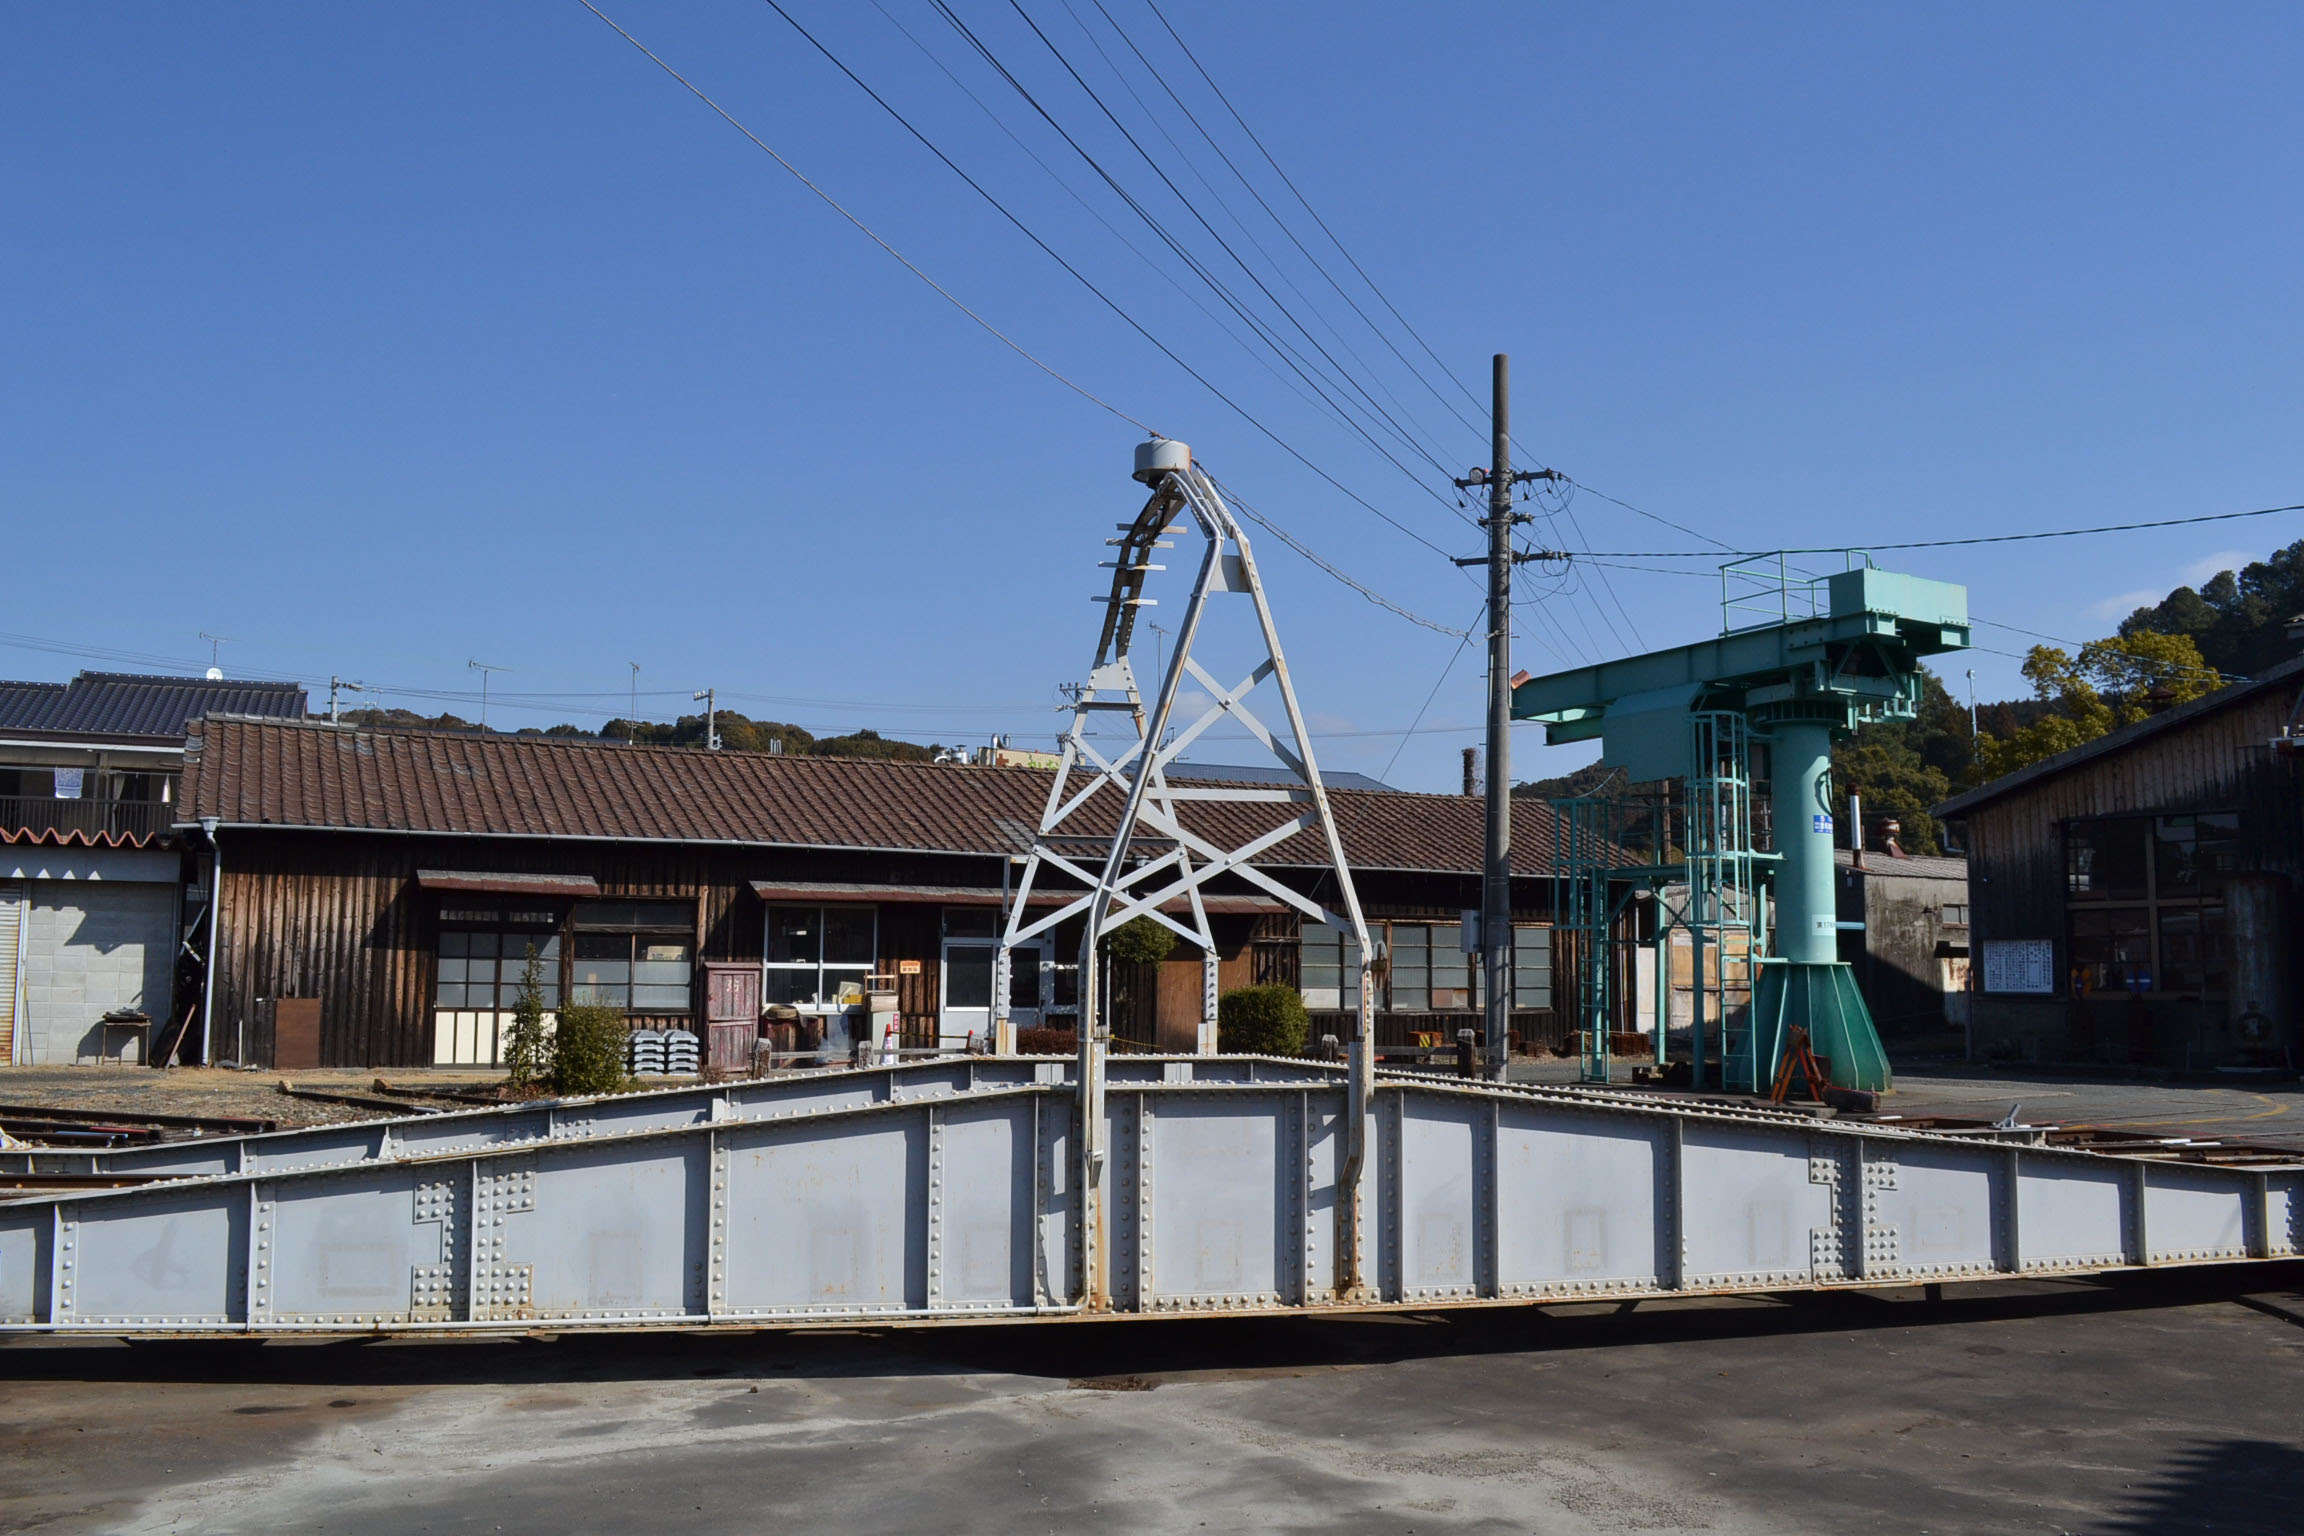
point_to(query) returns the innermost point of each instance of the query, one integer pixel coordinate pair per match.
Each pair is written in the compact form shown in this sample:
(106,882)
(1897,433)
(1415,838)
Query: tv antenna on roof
(215,652)
(483,668)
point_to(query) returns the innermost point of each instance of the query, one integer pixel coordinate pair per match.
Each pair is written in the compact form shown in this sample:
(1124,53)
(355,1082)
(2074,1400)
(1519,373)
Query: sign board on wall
(907,967)
(2020,966)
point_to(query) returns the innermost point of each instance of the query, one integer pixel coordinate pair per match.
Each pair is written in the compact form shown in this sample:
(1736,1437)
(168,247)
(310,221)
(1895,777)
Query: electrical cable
(1298,545)
(1333,239)
(1566,509)
(1222,244)
(1254,355)
(1694,533)
(2077,645)
(1453,657)
(1283,444)
(1191,262)
(1004,338)
(1988,538)
(1305,203)
(1161,78)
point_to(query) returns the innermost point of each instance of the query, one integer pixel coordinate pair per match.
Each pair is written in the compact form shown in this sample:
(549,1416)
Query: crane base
(1823,999)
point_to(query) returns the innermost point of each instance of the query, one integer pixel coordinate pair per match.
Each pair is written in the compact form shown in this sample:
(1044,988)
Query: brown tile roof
(252,772)
(74,837)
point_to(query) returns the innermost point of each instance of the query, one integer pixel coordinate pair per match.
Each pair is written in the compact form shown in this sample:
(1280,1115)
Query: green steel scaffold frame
(1595,887)
(1720,903)
(1724,909)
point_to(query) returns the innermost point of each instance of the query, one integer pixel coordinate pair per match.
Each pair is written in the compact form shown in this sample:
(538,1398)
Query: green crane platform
(1830,653)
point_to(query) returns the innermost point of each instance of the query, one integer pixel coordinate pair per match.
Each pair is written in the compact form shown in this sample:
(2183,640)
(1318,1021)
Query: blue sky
(387,338)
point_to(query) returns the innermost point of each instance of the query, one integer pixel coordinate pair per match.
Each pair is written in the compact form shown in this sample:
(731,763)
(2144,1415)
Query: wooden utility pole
(1496,880)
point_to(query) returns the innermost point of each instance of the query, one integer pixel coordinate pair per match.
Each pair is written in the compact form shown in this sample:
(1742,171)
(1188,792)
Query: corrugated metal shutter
(11,945)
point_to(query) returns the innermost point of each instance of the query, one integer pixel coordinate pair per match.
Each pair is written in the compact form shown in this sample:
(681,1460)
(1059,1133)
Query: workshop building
(2133,900)
(382,891)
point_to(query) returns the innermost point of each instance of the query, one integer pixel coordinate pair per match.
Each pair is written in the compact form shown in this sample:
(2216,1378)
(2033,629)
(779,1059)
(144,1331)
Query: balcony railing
(46,813)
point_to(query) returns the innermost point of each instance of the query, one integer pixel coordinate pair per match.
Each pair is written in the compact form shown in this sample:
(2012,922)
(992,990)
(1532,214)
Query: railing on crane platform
(1760,590)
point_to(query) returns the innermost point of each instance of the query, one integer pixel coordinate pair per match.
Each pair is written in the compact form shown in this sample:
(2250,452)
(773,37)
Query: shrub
(527,1048)
(1269,1020)
(1141,941)
(588,1049)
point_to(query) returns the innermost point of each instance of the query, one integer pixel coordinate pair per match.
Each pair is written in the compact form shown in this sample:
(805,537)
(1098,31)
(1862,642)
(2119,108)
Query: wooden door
(295,1033)
(731,993)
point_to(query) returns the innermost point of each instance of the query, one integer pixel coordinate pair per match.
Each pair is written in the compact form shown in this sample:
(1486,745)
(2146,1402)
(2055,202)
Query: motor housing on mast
(1161,456)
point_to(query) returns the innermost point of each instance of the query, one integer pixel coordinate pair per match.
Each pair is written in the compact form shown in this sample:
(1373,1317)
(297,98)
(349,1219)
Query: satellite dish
(215,674)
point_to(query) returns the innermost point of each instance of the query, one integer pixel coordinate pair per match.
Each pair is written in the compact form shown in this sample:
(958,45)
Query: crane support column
(1805,984)
(1806,930)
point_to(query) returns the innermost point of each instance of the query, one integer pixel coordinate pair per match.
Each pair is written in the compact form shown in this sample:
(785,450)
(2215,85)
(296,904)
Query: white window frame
(862,971)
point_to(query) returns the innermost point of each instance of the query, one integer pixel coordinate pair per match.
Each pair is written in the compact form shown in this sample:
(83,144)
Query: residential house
(90,873)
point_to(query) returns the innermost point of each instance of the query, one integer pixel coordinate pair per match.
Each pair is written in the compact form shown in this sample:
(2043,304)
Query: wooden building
(2133,899)
(383,890)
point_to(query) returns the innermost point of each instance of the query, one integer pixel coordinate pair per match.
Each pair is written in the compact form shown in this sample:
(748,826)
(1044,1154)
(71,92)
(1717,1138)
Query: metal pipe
(209,965)
(1003,964)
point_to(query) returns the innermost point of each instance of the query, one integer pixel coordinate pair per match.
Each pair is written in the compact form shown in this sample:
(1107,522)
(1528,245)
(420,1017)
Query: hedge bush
(588,1049)
(1141,941)
(1270,1020)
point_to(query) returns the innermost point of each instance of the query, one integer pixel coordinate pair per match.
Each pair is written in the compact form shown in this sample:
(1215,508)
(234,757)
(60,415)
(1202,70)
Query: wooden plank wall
(2221,761)
(340,918)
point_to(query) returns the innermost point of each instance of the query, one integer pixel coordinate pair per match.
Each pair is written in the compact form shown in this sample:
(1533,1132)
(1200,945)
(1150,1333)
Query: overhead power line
(1306,204)
(1694,533)
(1147,69)
(1985,538)
(1133,324)
(1301,548)
(1232,301)
(1439,683)
(869,233)
(1384,417)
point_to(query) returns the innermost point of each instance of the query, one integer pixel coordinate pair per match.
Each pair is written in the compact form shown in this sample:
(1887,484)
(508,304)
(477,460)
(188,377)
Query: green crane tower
(1829,654)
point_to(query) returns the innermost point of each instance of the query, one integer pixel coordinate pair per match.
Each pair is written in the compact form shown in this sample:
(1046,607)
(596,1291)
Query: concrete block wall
(91,947)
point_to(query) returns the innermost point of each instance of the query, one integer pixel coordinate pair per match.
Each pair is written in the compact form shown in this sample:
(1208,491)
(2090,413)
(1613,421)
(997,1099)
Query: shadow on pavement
(1115,1353)
(2232,1487)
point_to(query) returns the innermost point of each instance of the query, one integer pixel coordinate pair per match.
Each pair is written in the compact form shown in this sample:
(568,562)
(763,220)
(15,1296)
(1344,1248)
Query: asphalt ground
(2144,1404)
